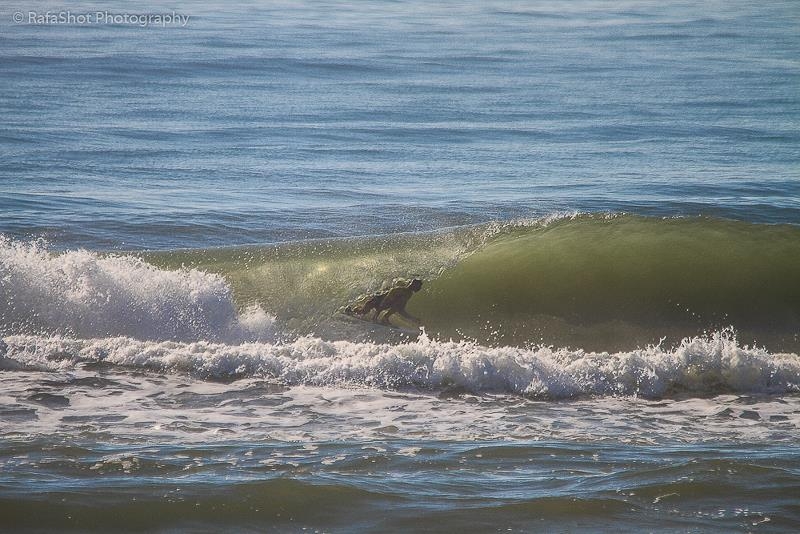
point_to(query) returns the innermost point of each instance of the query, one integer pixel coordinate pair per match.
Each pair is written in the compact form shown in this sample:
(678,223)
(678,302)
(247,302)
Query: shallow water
(602,200)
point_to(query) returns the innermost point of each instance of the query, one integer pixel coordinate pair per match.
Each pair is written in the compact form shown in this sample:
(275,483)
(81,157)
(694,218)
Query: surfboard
(395,324)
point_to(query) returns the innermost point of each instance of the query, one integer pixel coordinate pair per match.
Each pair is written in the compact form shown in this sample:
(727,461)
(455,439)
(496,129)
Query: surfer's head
(415,285)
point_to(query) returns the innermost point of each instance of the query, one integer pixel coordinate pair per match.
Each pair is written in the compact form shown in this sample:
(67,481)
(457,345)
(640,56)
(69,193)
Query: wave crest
(84,294)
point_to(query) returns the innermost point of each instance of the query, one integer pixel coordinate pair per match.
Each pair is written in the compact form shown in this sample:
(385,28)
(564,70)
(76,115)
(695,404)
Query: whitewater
(702,367)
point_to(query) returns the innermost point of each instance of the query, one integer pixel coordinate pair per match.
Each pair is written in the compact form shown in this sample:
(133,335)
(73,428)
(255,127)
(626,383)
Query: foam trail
(84,294)
(700,366)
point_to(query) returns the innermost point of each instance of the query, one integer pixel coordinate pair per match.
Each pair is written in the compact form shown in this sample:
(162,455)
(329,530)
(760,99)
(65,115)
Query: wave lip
(84,294)
(699,366)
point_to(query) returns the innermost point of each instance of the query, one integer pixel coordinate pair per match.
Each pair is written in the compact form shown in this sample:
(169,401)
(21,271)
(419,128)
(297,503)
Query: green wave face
(623,281)
(593,282)
(305,284)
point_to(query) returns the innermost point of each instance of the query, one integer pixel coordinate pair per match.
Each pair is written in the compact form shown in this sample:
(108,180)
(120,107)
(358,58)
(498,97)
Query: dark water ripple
(367,486)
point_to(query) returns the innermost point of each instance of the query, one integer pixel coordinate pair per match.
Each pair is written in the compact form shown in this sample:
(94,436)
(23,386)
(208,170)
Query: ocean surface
(601,198)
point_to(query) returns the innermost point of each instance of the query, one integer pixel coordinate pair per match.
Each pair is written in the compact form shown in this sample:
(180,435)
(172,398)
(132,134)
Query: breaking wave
(83,294)
(595,282)
(699,366)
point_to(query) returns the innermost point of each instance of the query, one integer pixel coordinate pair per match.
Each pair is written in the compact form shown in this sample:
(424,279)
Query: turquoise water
(602,200)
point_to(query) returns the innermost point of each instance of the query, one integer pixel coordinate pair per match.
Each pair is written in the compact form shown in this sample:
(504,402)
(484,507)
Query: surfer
(387,303)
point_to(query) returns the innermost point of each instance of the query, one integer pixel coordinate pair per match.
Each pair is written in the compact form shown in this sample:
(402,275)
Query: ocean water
(602,199)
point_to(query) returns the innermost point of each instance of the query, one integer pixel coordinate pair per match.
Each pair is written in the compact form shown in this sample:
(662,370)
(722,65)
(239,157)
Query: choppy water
(602,199)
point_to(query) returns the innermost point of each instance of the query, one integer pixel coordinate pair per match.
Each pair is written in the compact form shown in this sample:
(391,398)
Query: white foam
(84,294)
(700,366)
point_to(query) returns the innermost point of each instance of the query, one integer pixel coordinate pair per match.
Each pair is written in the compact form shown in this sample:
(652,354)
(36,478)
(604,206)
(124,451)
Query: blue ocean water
(277,121)
(602,198)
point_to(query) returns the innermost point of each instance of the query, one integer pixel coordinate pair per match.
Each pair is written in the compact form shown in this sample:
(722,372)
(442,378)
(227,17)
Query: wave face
(600,283)
(612,282)
(702,366)
(595,282)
